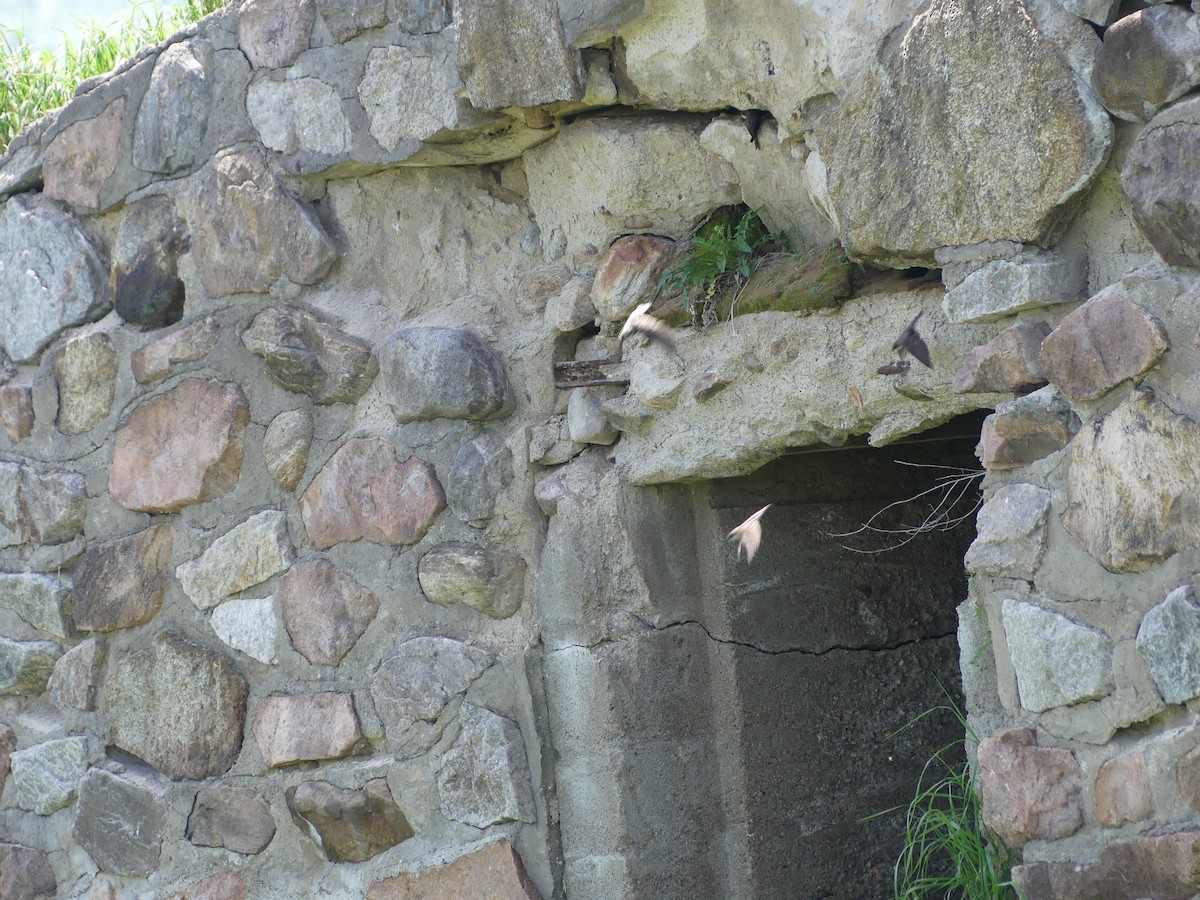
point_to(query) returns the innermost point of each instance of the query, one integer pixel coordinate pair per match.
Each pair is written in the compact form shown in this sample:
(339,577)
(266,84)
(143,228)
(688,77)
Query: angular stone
(40,508)
(180,448)
(410,94)
(514,53)
(248,624)
(188,344)
(309,356)
(16,410)
(179,706)
(415,685)
(325,611)
(1011,533)
(292,728)
(364,491)
(120,583)
(1123,790)
(1131,485)
(1009,363)
(430,372)
(85,368)
(246,555)
(247,231)
(1028,792)
(227,885)
(572,309)
(50,276)
(537,287)
(490,581)
(1057,661)
(1106,341)
(77,675)
(175,108)
(484,776)
(629,274)
(1026,429)
(1162,866)
(273,33)
(8,743)
(286,445)
(959,262)
(44,777)
(1147,60)
(1169,641)
(25,873)
(120,820)
(231,816)
(932,81)
(647,170)
(350,825)
(146,287)
(299,115)
(41,600)
(81,158)
(482,468)
(346,18)
(1002,287)
(710,383)
(586,422)
(1160,177)
(25,666)
(493,873)
(551,444)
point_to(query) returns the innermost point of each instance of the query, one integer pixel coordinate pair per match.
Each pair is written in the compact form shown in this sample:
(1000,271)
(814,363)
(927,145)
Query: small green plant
(720,260)
(32,83)
(948,850)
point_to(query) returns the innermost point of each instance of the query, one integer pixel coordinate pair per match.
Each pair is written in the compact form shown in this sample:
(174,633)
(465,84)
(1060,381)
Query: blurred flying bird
(641,322)
(911,342)
(749,534)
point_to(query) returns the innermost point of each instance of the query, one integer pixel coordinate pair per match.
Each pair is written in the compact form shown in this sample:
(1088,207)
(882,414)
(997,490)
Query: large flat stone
(418,686)
(431,372)
(179,706)
(310,356)
(1057,661)
(493,873)
(235,817)
(246,555)
(120,820)
(44,777)
(50,276)
(292,728)
(325,610)
(1160,177)
(364,491)
(41,600)
(484,776)
(180,448)
(1131,471)
(120,583)
(1169,641)
(912,127)
(352,825)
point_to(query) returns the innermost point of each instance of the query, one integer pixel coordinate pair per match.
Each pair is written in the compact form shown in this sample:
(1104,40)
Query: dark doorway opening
(834,651)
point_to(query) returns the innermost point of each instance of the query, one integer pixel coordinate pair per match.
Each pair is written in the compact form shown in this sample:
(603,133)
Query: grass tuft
(34,82)
(948,850)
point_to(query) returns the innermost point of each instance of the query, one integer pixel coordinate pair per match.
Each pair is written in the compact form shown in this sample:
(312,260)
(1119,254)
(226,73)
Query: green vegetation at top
(32,83)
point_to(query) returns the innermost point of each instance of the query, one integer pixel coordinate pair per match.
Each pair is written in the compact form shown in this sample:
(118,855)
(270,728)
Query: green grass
(948,850)
(34,82)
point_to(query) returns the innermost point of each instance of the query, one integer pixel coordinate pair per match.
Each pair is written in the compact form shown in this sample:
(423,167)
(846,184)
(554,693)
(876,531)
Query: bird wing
(916,346)
(654,329)
(749,534)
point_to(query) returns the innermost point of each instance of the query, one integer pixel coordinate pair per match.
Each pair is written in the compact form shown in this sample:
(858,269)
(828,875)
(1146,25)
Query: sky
(43,21)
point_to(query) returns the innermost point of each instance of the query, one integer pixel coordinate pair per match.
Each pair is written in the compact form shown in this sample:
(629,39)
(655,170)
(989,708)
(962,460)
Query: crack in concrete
(890,648)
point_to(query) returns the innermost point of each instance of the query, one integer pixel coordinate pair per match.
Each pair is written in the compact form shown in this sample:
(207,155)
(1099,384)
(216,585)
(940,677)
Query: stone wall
(313,582)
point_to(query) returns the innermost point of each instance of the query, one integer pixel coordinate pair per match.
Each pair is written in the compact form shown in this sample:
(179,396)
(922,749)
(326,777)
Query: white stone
(1057,661)
(41,600)
(246,555)
(1169,641)
(1006,286)
(44,777)
(1011,532)
(297,115)
(248,624)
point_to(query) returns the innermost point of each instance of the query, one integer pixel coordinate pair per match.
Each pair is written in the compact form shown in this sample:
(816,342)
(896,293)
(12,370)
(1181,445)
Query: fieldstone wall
(314,583)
